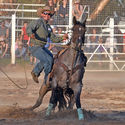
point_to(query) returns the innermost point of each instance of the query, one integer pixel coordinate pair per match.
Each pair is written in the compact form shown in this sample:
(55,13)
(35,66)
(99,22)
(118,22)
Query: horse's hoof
(47,117)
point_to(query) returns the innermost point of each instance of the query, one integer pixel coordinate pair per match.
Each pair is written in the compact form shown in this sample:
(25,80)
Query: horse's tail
(68,94)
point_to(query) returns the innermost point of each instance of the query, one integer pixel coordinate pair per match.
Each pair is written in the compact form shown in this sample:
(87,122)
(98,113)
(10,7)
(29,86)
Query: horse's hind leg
(43,90)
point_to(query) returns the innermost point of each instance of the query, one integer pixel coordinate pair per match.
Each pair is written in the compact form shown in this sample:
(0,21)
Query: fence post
(70,14)
(111,26)
(13,39)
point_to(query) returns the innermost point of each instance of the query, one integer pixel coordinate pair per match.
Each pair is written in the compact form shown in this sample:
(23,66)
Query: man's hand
(65,36)
(32,36)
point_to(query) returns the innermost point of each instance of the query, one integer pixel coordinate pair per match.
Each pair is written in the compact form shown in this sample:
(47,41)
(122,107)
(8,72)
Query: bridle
(77,44)
(78,37)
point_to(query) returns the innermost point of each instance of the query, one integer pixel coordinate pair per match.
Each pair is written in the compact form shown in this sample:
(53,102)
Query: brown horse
(68,71)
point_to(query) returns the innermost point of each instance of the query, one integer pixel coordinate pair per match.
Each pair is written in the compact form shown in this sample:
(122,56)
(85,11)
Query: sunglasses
(45,13)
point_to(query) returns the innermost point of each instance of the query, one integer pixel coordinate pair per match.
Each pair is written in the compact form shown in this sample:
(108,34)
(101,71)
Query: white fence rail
(112,65)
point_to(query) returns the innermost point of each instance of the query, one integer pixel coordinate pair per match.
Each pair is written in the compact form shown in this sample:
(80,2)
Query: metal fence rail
(108,63)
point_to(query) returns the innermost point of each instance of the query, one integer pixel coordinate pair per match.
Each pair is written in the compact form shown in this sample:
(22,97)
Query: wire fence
(100,57)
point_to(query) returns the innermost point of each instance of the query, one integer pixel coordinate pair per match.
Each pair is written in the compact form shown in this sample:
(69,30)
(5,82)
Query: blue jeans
(45,58)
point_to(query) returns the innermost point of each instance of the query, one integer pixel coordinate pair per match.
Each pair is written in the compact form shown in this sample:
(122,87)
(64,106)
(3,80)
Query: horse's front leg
(77,92)
(43,90)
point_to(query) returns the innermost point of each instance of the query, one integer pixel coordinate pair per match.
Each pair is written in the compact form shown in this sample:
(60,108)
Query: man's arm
(5,51)
(7,35)
(22,33)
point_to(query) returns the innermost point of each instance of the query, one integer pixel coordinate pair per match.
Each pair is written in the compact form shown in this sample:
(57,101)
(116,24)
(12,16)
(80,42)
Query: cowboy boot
(35,77)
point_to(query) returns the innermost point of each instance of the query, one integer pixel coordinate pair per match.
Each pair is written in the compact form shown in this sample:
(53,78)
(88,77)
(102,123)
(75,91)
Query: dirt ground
(102,99)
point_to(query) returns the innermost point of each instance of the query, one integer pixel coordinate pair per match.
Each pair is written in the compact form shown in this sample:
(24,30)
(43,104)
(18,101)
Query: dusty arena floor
(103,100)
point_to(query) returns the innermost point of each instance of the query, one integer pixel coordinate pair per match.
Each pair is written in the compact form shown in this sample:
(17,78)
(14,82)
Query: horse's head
(78,34)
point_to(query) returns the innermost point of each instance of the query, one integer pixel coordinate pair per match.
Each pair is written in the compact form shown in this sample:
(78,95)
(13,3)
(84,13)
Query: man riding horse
(70,62)
(39,31)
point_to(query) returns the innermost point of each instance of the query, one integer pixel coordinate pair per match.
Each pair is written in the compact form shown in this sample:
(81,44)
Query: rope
(15,82)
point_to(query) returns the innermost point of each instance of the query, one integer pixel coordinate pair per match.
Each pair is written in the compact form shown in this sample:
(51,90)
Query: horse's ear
(74,20)
(84,18)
